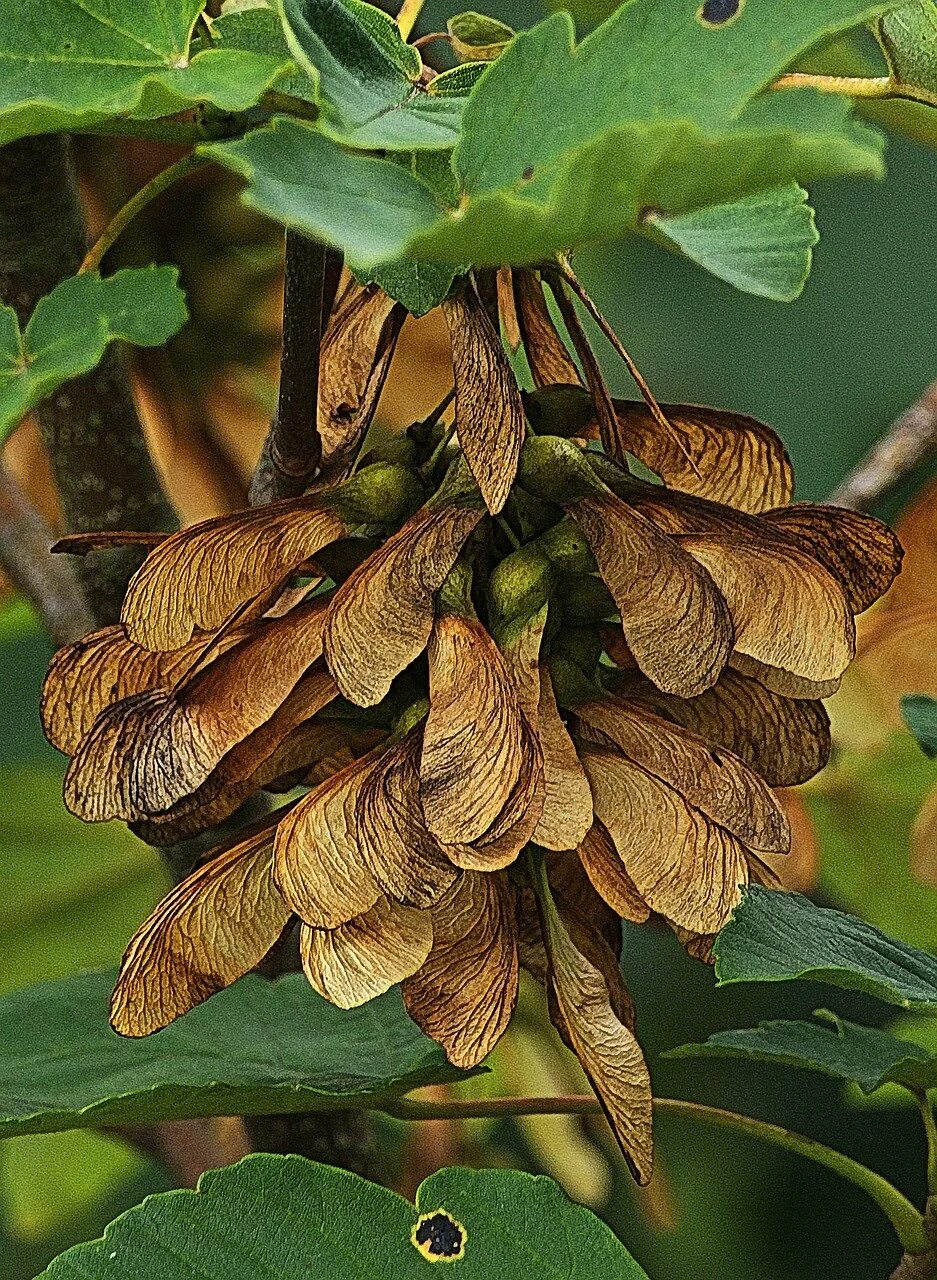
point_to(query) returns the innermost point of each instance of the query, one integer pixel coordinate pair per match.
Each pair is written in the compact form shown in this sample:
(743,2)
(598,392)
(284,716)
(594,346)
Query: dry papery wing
(465,993)
(489,411)
(507,309)
(319,866)
(609,876)
(357,351)
(154,753)
(517,821)
(199,576)
(673,616)
(547,355)
(211,929)
(785,740)
(473,741)
(710,779)
(382,614)
(404,857)
(683,864)
(99,669)
(367,956)
(790,614)
(862,553)
(307,747)
(726,457)
(210,713)
(567,805)
(596,1018)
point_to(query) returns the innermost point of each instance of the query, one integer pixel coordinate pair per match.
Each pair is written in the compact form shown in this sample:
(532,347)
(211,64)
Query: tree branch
(90,427)
(908,443)
(48,581)
(293,448)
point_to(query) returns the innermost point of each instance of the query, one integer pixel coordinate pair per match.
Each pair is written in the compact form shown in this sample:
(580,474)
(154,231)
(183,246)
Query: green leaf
(775,936)
(77,63)
(762,244)
(561,146)
(255,1048)
(71,327)
(920,715)
(257,28)
(420,286)
(368,207)
(866,1055)
(909,39)
(478,38)
(368,77)
(282,1216)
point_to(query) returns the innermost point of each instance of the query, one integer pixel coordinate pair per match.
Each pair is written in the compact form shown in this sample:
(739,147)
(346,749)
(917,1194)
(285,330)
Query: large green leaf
(762,244)
(866,1055)
(368,77)
(561,145)
(70,328)
(258,1047)
(775,937)
(281,1217)
(367,206)
(73,63)
(909,39)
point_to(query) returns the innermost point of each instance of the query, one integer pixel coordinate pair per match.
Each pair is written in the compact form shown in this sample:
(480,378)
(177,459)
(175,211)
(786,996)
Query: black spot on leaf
(528,173)
(439,1237)
(717,13)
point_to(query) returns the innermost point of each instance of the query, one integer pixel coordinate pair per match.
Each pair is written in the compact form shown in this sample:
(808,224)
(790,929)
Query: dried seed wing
(684,865)
(726,457)
(465,993)
(210,930)
(92,673)
(673,615)
(357,351)
(199,576)
(601,1037)
(367,956)
(318,864)
(489,412)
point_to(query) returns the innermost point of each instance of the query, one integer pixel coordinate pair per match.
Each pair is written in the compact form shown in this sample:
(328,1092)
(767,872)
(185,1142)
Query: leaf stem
(183,133)
(647,394)
(850,86)
(288,104)
(410,10)
(124,216)
(930,1131)
(901,1213)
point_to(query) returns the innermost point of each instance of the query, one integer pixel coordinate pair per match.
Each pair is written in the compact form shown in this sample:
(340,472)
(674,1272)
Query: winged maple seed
(508,733)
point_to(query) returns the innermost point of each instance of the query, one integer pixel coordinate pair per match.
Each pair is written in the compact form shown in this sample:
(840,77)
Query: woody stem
(901,1213)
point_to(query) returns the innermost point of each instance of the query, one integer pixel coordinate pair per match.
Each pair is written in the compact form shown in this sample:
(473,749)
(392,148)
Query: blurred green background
(829,372)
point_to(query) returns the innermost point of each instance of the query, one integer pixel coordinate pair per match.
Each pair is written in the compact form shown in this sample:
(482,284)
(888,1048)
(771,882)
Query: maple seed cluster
(526,693)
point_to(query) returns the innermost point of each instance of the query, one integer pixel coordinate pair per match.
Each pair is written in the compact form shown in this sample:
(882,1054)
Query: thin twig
(901,1213)
(124,216)
(49,582)
(293,448)
(907,444)
(646,393)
